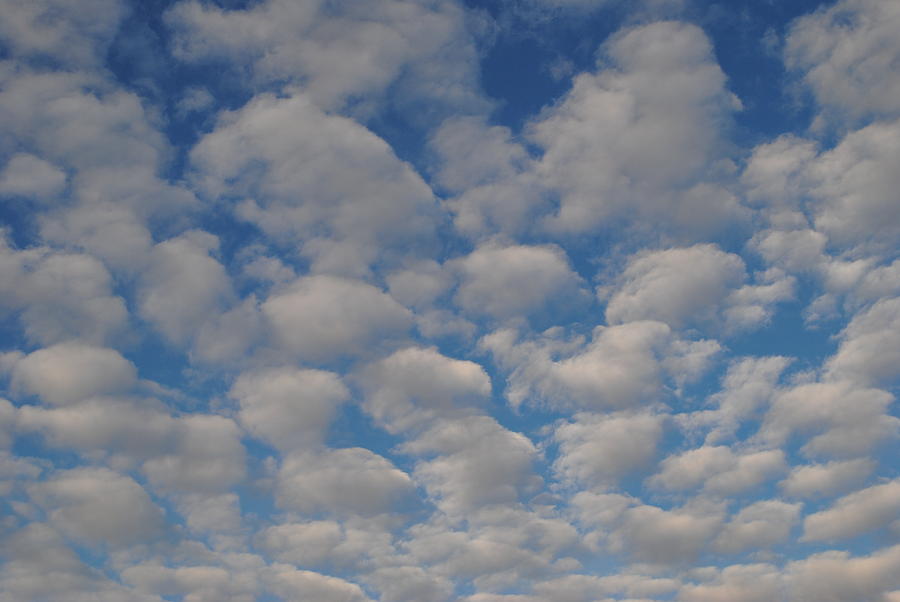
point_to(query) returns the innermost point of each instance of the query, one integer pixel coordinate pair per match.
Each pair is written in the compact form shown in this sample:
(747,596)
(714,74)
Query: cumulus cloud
(321,318)
(99,505)
(842,419)
(509,281)
(718,469)
(296,302)
(859,512)
(60,296)
(70,372)
(415,385)
(314,181)
(847,56)
(476,462)
(342,481)
(694,286)
(290,408)
(622,366)
(640,134)
(598,449)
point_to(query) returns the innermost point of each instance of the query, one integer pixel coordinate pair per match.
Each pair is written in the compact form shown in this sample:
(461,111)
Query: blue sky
(438,300)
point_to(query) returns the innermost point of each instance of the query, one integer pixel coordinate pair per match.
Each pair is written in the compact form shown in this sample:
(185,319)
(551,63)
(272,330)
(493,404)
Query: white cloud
(718,469)
(748,385)
(775,174)
(321,318)
(699,286)
(61,296)
(99,505)
(344,56)
(288,407)
(415,384)
(737,583)
(342,481)
(489,174)
(843,419)
(656,536)
(814,480)
(315,181)
(44,568)
(513,281)
(478,462)
(847,55)
(295,585)
(102,426)
(56,30)
(598,449)
(621,367)
(29,176)
(69,372)
(757,526)
(870,348)
(352,544)
(676,285)
(183,285)
(641,135)
(835,576)
(855,184)
(856,513)
(205,455)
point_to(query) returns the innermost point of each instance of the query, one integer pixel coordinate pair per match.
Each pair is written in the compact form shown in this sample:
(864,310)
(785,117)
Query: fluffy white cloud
(870,349)
(598,449)
(737,583)
(96,427)
(182,285)
(60,32)
(342,481)
(844,419)
(204,455)
(321,318)
(855,184)
(693,286)
(342,55)
(294,585)
(512,281)
(490,174)
(656,536)
(316,181)
(478,462)
(856,513)
(847,55)
(813,480)
(759,525)
(415,384)
(99,505)
(748,386)
(622,366)
(718,469)
(44,568)
(70,372)
(29,176)
(835,576)
(641,135)
(60,296)
(195,583)
(290,408)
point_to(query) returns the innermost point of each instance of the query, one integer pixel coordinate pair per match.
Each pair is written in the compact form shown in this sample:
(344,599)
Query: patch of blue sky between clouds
(421,301)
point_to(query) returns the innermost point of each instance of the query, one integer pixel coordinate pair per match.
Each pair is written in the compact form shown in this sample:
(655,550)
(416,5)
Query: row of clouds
(350,301)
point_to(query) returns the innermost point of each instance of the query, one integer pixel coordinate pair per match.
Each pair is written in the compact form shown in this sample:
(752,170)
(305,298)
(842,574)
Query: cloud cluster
(425,300)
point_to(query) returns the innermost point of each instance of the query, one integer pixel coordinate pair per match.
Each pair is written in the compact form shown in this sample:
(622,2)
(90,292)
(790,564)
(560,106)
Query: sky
(449,300)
